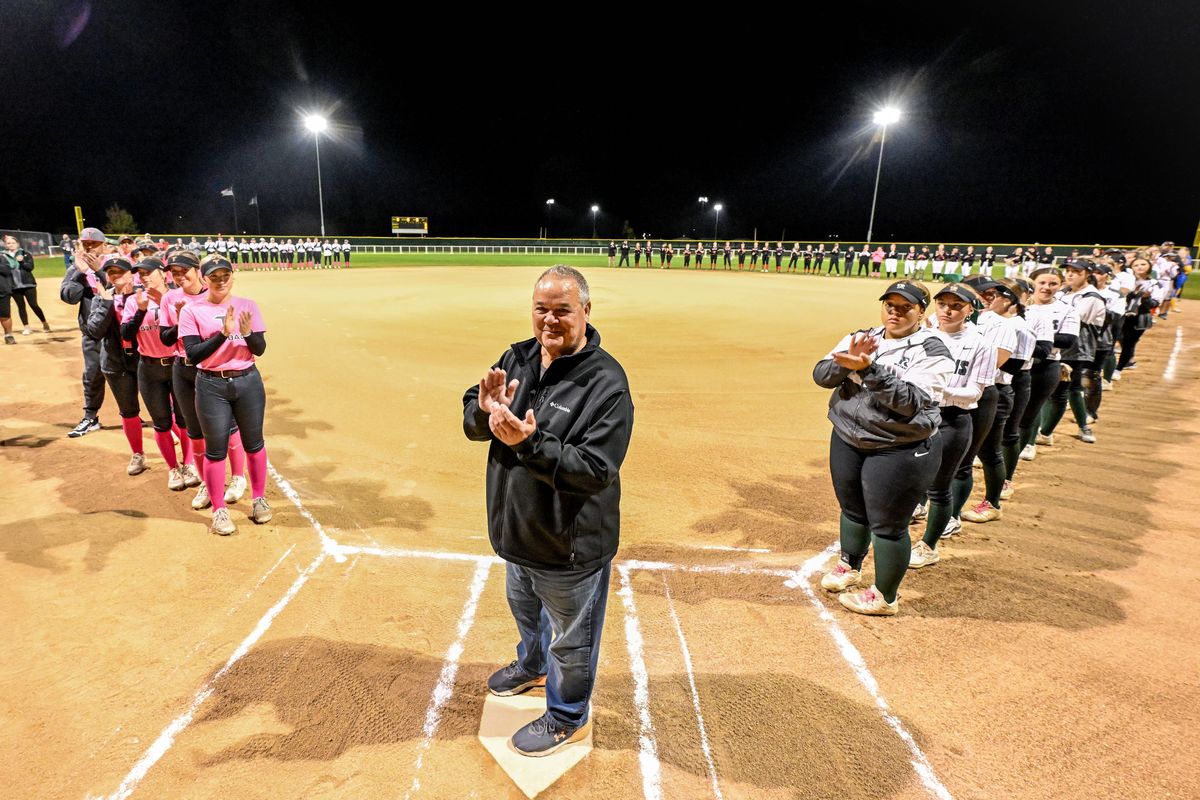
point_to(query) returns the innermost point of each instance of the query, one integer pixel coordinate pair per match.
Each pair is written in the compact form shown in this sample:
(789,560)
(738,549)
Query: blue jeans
(560,615)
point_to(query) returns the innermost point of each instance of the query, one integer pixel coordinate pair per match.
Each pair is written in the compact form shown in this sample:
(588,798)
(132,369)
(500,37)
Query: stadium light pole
(716,223)
(549,211)
(595,208)
(318,125)
(883,117)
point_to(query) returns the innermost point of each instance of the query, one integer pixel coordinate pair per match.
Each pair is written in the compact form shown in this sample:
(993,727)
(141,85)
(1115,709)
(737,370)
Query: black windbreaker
(553,501)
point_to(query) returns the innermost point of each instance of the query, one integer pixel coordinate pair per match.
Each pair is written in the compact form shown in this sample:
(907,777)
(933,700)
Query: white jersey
(1087,305)
(337,248)
(1113,300)
(1008,333)
(221,246)
(328,250)
(1051,318)
(345,247)
(974,368)
(914,359)
(1122,282)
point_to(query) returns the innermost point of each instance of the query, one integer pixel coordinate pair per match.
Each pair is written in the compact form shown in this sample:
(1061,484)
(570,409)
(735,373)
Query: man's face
(10,244)
(559,319)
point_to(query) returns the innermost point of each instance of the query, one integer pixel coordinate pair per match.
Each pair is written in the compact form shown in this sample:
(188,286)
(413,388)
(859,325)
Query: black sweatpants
(154,382)
(222,401)
(1021,385)
(955,433)
(124,387)
(991,452)
(1044,379)
(93,380)
(1129,339)
(24,295)
(982,419)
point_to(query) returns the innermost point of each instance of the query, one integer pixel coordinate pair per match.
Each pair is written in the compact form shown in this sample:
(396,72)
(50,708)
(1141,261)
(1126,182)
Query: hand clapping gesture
(494,391)
(142,300)
(858,356)
(508,427)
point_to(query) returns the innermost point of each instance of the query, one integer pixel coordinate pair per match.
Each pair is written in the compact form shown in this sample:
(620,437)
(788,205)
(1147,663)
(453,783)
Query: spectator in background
(19,263)
(67,249)
(79,286)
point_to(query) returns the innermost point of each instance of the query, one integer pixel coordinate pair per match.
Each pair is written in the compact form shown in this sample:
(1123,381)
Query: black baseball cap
(998,288)
(213,263)
(960,291)
(118,262)
(183,258)
(125,237)
(1081,264)
(908,290)
(149,263)
(1103,269)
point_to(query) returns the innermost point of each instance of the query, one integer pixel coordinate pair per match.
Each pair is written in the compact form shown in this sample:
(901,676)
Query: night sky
(1056,122)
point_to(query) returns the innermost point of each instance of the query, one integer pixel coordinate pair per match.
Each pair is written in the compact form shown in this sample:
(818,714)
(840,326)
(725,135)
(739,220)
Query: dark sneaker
(510,680)
(544,736)
(85,426)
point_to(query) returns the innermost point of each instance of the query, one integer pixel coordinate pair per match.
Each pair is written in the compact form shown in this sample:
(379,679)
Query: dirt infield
(1050,655)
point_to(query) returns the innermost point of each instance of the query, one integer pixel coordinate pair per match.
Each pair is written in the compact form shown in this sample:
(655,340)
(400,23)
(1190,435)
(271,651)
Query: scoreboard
(411,225)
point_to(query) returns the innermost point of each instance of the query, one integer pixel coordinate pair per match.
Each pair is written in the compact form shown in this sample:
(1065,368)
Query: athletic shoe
(1045,438)
(922,556)
(952,527)
(236,490)
(222,525)
(27,331)
(201,500)
(840,578)
(1131,365)
(1107,385)
(976,464)
(1086,436)
(510,680)
(1090,419)
(8,339)
(175,479)
(260,511)
(1116,375)
(46,327)
(983,511)
(545,735)
(870,602)
(190,476)
(85,426)
(1007,492)
(919,513)
(137,464)
(1029,453)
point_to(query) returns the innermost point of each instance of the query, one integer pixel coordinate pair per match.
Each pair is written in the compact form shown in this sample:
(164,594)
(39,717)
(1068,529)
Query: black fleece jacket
(553,501)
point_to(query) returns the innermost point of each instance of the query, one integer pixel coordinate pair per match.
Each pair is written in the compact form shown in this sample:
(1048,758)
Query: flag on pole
(227,192)
(253,200)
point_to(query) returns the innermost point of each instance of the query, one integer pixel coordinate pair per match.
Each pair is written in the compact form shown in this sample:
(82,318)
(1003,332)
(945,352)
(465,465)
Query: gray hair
(563,271)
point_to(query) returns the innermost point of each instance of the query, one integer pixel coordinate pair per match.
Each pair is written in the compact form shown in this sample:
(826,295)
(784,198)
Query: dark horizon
(1070,128)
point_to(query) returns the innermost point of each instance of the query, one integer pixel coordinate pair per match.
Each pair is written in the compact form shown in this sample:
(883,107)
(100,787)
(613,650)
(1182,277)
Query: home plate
(502,716)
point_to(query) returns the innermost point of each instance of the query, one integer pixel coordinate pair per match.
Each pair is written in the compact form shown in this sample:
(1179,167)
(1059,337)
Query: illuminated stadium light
(316,123)
(888,115)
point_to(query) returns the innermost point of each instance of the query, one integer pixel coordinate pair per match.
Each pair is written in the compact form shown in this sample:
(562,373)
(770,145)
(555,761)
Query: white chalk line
(167,738)
(647,748)
(445,684)
(1169,372)
(328,545)
(853,657)
(734,549)
(691,676)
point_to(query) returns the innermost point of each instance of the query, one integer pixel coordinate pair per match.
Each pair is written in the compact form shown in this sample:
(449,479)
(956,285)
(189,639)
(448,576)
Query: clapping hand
(142,300)
(179,304)
(103,292)
(494,391)
(244,322)
(229,320)
(508,427)
(858,355)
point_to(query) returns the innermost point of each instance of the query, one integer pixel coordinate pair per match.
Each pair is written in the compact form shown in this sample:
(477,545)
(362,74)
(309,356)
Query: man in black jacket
(558,414)
(78,288)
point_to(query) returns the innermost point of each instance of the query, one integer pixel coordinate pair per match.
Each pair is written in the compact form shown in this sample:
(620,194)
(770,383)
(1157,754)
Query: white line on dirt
(167,738)
(691,676)
(734,549)
(647,748)
(858,665)
(445,685)
(328,545)
(716,569)
(262,580)
(1169,372)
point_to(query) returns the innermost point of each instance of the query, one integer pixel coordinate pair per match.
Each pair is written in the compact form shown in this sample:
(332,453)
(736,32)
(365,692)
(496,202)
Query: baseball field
(341,650)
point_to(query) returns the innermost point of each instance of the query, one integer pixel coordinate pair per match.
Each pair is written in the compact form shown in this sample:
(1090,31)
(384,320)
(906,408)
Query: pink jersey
(204,319)
(148,343)
(169,317)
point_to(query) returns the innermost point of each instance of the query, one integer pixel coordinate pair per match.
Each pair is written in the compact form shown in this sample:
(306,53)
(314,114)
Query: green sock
(1052,412)
(1027,436)
(891,562)
(855,540)
(1012,453)
(960,490)
(993,480)
(1110,364)
(1079,407)
(935,524)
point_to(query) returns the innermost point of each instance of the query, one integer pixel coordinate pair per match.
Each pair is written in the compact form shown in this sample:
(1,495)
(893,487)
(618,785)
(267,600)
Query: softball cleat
(840,578)
(922,555)
(869,602)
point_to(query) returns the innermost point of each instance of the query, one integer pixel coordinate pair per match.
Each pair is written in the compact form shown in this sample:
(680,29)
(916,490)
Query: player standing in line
(612,253)
(910,262)
(118,357)
(687,255)
(891,262)
(1047,257)
(877,261)
(819,259)
(273,250)
(988,263)
(864,259)
(222,335)
(939,262)
(346,251)
(808,257)
(140,322)
(1091,310)
(712,256)
(670,253)
(974,370)
(728,256)
(953,264)
(884,451)
(1141,301)
(1053,320)
(336,246)
(637,255)
(968,261)
(1114,311)
(741,255)
(326,254)
(222,245)
(778,255)
(1002,299)
(791,267)
(1012,264)
(835,259)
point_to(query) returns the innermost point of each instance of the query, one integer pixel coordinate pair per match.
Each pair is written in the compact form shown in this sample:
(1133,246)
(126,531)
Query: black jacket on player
(554,500)
(104,324)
